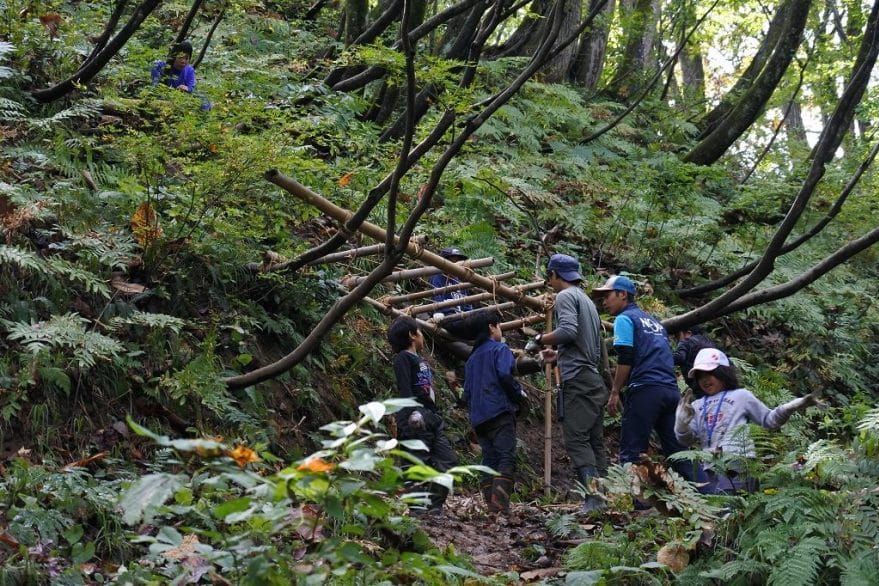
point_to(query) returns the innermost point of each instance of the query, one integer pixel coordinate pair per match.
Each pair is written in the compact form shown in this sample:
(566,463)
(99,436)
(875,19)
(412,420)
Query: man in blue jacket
(646,369)
(494,398)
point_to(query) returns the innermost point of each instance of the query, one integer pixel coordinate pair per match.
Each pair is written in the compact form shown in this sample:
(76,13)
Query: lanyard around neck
(709,427)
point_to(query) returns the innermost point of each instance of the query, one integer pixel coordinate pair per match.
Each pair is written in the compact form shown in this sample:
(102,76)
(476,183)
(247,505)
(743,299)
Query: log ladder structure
(537,308)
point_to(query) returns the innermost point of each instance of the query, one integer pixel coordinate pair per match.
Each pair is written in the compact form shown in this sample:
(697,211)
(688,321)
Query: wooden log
(407,274)
(412,248)
(398,299)
(465,314)
(524,364)
(431,307)
(349,254)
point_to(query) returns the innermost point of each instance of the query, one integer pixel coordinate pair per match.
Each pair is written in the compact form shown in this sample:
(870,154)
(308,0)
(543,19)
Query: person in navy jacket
(645,367)
(494,398)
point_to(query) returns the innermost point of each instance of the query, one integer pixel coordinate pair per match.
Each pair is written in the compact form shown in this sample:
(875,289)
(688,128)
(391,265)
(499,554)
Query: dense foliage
(133,217)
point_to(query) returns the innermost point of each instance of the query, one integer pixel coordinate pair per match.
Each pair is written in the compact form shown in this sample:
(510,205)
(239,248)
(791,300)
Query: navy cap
(566,267)
(451,252)
(617,283)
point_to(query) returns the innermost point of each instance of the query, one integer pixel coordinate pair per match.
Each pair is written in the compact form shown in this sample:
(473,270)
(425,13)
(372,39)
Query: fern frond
(81,110)
(745,567)
(68,334)
(149,320)
(91,283)
(860,571)
(870,422)
(800,564)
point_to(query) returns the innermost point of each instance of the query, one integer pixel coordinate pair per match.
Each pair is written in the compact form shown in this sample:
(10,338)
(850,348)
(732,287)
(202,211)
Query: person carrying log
(577,336)
(494,399)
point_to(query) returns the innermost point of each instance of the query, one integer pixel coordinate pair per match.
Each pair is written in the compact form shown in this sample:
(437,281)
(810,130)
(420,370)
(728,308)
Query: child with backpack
(415,380)
(716,422)
(494,399)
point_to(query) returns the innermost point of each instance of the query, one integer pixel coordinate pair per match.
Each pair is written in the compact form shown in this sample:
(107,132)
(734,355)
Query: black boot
(591,502)
(485,489)
(501,489)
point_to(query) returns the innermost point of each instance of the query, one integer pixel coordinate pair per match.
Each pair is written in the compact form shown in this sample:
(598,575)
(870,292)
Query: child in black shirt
(415,380)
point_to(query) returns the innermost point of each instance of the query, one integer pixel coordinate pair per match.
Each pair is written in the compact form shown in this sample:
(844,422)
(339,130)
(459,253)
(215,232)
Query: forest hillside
(194,389)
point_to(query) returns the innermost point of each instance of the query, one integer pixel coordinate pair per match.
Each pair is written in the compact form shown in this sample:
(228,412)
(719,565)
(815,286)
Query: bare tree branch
(831,137)
(796,243)
(91,68)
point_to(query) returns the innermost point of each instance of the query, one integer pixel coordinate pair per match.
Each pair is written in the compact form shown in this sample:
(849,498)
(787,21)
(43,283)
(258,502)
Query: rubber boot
(485,489)
(438,496)
(501,489)
(590,502)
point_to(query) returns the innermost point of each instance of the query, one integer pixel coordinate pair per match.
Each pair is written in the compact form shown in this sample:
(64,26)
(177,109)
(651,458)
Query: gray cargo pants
(585,398)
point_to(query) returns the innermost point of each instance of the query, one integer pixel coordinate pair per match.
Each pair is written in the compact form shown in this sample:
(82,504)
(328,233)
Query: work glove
(533,346)
(803,403)
(416,421)
(782,413)
(684,413)
(549,356)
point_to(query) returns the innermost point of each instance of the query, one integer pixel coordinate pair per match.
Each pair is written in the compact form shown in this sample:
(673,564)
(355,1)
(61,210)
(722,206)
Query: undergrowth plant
(339,515)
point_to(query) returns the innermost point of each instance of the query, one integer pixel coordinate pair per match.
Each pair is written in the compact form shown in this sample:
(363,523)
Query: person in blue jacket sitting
(459,328)
(494,399)
(178,74)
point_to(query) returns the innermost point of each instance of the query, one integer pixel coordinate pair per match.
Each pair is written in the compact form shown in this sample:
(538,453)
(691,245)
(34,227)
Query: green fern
(158,321)
(870,422)
(66,333)
(739,568)
(800,563)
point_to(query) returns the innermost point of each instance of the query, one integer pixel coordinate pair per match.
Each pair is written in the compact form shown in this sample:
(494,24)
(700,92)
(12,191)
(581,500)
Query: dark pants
(440,454)
(585,397)
(646,409)
(497,438)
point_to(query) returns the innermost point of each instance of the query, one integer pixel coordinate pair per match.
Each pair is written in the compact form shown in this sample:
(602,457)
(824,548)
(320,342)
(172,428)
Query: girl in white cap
(716,422)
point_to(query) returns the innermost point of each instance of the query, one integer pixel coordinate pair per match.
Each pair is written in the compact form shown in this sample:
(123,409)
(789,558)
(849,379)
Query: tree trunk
(187,24)
(207,41)
(751,104)
(557,70)
(640,18)
(794,127)
(115,17)
(90,69)
(744,82)
(693,74)
(589,62)
(355,19)
(526,37)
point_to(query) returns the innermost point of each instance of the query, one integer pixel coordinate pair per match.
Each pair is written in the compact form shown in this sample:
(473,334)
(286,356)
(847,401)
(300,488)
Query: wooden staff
(547,418)
(406,274)
(412,248)
(397,299)
(432,307)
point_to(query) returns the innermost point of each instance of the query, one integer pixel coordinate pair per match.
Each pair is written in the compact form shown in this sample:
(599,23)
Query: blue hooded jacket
(653,364)
(489,386)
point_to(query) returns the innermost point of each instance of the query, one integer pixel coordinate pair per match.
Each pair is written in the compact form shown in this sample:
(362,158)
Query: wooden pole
(397,299)
(412,248)
(465,314)
(547,419)
(431,307)
(406,274)
(349,254)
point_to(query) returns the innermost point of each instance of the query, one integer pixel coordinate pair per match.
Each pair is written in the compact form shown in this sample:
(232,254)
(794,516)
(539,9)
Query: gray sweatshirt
(578,332)
(719,426)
